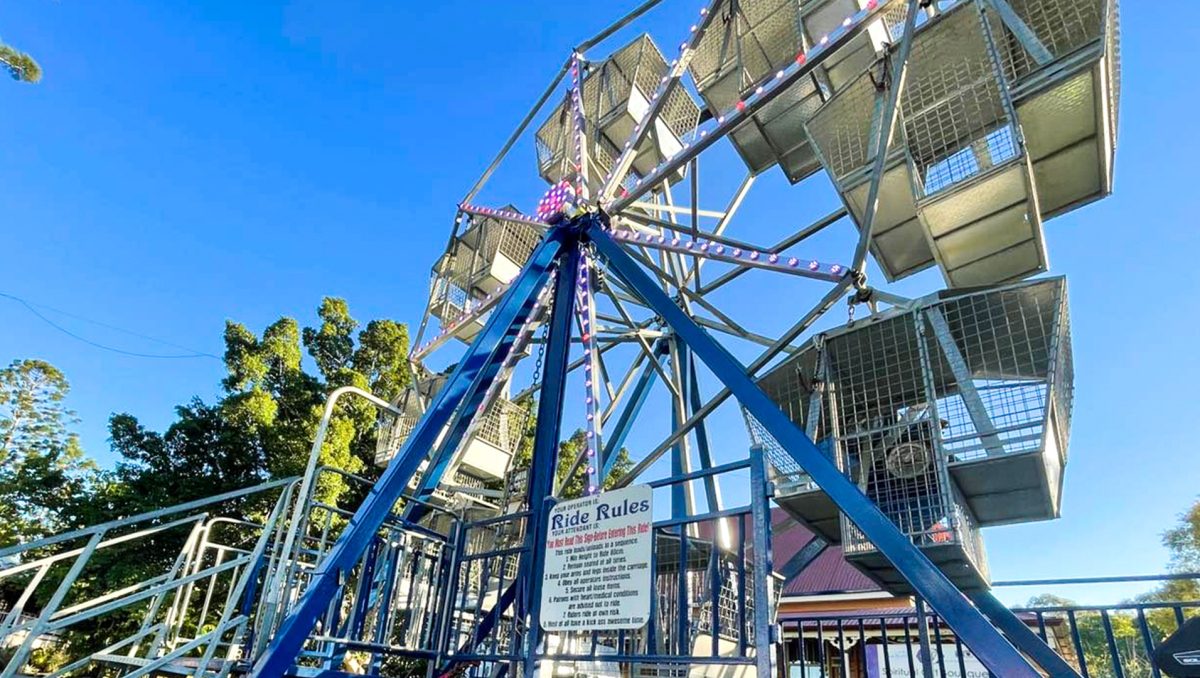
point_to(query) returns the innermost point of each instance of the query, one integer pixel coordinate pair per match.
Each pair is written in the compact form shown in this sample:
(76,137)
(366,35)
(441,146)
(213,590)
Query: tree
(1183,541)
(42,466)
(20,65)
(1093,637)
(264,423)
(568,451)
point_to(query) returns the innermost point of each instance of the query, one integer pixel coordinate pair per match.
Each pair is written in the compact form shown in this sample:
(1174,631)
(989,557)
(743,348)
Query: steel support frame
(889,116)
(545,450)
(470,381)
(966,621)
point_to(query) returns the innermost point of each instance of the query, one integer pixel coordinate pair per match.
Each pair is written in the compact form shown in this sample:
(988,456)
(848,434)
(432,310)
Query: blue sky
(184,163)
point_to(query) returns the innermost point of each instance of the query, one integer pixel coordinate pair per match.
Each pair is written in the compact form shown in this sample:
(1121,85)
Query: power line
(33,308)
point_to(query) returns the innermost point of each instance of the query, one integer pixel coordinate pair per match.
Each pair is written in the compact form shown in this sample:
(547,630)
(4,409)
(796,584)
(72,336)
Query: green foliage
(1093,637)
(261,427)
(264,424)
(42,466)
(1183,541)
(20,65)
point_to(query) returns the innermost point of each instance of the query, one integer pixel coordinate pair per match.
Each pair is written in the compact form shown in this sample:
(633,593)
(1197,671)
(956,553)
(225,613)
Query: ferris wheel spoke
(519,131)
(718,231)
(779,247)
(804,65)
(746,258)
(503,215)
(647,351)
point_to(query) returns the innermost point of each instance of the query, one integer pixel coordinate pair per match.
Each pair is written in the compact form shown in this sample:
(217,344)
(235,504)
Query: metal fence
(1098,641)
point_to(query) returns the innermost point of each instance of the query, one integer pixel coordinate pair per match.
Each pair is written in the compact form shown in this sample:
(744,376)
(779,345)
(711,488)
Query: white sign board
(598,562)
(897,656)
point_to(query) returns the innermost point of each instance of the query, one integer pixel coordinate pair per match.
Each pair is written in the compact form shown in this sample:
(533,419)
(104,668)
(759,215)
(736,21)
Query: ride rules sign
(598,562)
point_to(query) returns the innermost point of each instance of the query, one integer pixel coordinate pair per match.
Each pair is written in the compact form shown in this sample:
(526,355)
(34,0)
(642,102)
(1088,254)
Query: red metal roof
(829,573)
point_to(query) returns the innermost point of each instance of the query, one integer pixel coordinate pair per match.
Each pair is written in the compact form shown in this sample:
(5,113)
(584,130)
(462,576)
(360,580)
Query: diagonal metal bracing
(777,248)
(545,444)
(966,621)
(1021,31)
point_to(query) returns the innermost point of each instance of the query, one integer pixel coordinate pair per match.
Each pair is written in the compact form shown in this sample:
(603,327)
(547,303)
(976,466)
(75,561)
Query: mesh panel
(1061,26)
(503,425)
(955,120)
(887,430)
(759,38)
(957,379)
(842,128)
(391,431)
(1006,341)
(1062,379)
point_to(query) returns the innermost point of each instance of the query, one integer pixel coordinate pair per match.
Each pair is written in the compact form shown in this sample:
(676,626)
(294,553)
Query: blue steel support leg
(712,493)
(637,398)
(545,448)
(679,466)
(1022,636)
(970,625)
(467,387)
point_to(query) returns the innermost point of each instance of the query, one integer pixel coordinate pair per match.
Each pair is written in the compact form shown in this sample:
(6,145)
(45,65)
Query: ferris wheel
(667,177)
(950,132)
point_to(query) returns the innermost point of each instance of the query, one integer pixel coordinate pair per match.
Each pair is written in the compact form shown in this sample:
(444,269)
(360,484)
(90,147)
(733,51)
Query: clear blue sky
(184,163)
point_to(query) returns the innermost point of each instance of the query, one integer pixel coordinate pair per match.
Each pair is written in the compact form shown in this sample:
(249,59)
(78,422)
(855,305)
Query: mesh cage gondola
(1004,121)
(616,94)
(749,41)
(480,262)
(951,415)
(957,188)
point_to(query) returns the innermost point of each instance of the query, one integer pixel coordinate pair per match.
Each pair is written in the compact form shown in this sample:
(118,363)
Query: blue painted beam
(466,387)
(970,625)
(637,398)
(1022,636)
(547,435)
(711,492)
(680,491)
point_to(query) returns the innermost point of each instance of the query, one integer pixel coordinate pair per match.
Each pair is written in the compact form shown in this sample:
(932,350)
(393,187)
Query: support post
(976,408)
(545,449)
(637,399)
(760,513)
(889,115)
(925,655)
(970,625)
